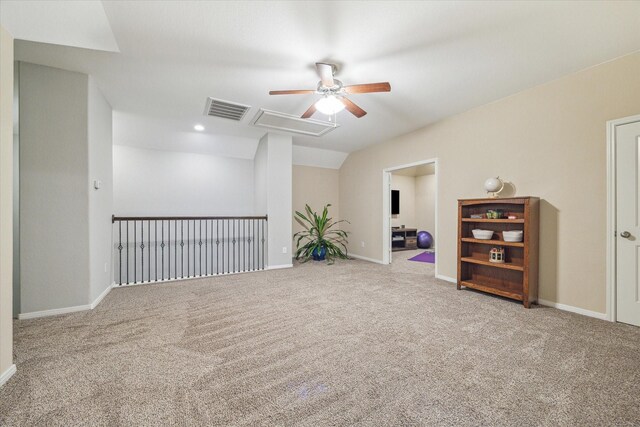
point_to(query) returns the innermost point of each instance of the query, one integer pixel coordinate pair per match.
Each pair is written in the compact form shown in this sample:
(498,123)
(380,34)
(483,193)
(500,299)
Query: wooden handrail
(172,218)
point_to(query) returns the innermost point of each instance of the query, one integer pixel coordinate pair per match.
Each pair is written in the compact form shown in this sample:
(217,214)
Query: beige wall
(407,187)
(550,141)
(426,203)
(315,187)
(6,200)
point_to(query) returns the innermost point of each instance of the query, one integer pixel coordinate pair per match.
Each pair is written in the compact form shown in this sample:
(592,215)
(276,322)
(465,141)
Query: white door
(628,223)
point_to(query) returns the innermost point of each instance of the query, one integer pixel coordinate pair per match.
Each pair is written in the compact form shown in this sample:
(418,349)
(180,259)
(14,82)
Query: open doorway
(410,212)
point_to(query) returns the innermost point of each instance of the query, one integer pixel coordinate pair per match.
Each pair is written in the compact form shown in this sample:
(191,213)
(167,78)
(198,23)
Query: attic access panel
(294,124)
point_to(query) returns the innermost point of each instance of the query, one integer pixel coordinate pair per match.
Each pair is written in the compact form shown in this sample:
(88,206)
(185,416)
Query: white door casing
(627,199)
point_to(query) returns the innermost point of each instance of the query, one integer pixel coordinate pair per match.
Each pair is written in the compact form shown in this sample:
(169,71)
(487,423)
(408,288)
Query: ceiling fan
(334,93)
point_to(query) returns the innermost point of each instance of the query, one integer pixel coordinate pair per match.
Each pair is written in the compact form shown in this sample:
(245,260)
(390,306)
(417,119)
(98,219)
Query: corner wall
(550,141)
(273,171)
(7,368)
(100,200)
(54,178)
(316,187)
(65,224)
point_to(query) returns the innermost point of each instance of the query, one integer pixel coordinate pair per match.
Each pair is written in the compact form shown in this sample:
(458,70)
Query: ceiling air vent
(288,123)
(225,109)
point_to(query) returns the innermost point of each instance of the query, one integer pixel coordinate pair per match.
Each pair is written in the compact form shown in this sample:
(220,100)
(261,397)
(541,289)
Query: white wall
(170,183)
(278,152)
(6,205)
(260,168)
(100,201)
(407,187)
(54,181)
(426,203)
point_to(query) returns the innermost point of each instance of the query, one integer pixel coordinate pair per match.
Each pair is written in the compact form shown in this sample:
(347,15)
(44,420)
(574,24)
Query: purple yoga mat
(425,257)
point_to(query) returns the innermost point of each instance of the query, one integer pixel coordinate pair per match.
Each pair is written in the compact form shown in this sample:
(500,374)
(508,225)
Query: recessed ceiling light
(199,128)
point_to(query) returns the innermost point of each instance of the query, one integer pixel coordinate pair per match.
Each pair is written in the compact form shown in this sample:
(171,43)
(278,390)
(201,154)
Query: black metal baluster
(135,252)
(226,238)
(248,240)
(217,247)
(200,249)
(211,222)
(182,249)
(263,224)
(206,247)
(127,252)
(162,248)
(253,261)
(233,225)
(155,246)
(194,248)
(120,251)
(222,253)
(149,249)
(142,250)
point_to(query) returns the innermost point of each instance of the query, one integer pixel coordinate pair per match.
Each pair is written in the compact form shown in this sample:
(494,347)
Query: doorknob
(625,234)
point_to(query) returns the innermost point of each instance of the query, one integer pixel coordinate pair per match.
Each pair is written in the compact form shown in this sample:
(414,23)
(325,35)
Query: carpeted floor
(350,344)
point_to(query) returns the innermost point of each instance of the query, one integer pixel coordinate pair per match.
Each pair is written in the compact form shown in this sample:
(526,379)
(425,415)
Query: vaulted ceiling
(441,58)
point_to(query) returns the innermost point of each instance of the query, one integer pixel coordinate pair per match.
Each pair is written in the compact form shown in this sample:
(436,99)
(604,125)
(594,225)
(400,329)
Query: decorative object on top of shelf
(496,255)
(320,241)
(425,239)
(476,216)
(493,186)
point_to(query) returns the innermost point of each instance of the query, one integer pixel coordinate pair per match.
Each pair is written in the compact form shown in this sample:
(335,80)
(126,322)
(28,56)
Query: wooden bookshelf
(517,277)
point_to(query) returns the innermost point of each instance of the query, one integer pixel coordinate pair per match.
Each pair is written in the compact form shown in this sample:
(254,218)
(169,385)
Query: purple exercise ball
(425,239)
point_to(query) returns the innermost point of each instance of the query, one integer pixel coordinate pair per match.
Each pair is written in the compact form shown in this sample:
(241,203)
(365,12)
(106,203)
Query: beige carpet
(350,344)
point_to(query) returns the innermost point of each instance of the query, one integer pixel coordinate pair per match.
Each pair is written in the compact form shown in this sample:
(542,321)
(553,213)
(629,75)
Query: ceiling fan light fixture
(329,105)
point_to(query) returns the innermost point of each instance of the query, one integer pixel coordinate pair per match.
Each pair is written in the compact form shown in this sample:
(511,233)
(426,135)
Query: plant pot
(319,253)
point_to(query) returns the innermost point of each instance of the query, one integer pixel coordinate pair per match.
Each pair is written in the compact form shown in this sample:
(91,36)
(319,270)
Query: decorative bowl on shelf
(512,236)
(482,234)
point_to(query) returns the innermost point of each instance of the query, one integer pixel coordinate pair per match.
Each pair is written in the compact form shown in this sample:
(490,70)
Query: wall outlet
(362,244)
(284,249)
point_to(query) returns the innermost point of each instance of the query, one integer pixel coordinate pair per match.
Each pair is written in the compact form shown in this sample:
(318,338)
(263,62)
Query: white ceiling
(71,23)
(441,58)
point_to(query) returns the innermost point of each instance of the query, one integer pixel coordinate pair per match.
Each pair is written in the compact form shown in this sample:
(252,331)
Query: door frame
(611,257)
(386,208)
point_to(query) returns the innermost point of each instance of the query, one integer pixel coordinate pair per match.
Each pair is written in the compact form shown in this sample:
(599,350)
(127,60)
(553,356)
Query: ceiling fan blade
(352,108)
(368,88)
(290,92)
(325,71)
(309,112)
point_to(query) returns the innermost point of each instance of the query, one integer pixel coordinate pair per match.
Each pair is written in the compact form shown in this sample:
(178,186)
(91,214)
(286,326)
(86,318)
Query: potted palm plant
(318,240)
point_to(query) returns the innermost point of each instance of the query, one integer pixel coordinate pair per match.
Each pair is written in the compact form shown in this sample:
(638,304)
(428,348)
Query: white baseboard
(98,300)
(278,267)
(446,278)
(4,377)
(364,258)
(66,310)
(578,310)
(53,312)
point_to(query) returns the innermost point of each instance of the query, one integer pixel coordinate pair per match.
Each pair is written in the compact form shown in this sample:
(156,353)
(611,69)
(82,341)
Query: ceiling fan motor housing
(336,89)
